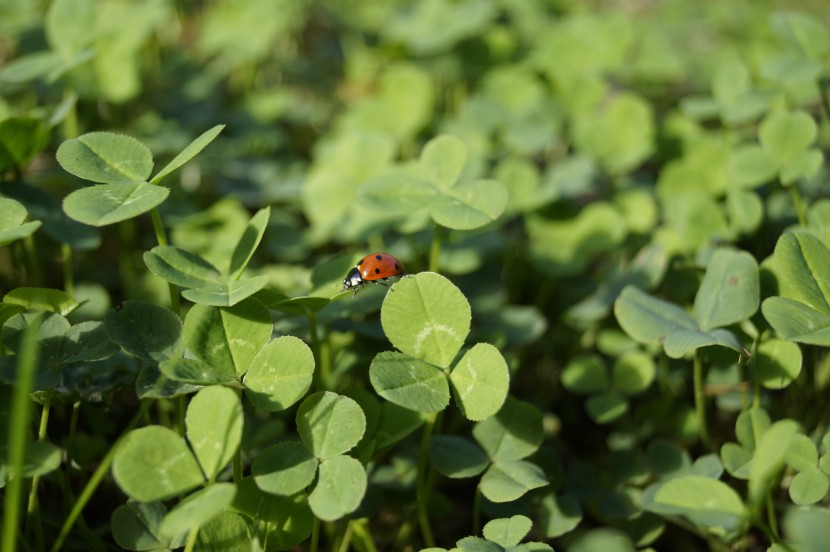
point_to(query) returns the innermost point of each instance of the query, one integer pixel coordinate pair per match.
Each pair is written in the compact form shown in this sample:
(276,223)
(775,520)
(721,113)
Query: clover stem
(700,400)
(36,275)
(161,238)
(320,379)
(32,510)
(798,204)
(96,478)
(477,511)
(66,261)
(773,523)
(315,534)
(18,422)
(435,248)
(191,540)
(422,484)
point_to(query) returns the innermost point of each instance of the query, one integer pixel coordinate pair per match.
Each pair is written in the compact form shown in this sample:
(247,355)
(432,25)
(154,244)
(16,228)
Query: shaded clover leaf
(728,294)
(203,283)
(802,312)
(12,221)
(437,185)
(329,425)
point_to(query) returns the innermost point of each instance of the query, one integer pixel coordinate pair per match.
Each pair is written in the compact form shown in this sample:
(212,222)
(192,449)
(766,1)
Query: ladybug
(375,268)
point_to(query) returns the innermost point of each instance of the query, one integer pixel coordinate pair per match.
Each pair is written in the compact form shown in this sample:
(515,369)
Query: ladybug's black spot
(397,267)
(378,257)
(377,271)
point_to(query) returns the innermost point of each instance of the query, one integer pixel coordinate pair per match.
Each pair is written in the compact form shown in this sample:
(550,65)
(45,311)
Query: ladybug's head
(353,280)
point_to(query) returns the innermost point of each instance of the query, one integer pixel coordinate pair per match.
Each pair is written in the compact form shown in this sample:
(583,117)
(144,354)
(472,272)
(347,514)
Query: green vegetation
(612,337)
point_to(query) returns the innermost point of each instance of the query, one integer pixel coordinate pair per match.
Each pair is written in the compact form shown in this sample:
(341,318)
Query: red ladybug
(375,268)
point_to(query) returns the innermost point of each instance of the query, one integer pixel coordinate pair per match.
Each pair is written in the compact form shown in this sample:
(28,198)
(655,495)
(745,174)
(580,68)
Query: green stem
(36,276)
(798,204)
(70,448)
(825,103)
(70,122)
(32,510)
(68,276)
(771,519)
(237,465)
(477,511)
(161,238)
(347,537)
(18,423)
(315,534)
(422,485)
(321,381)
(363,535)
(96,478)
(191,540)
(435,248)
(700,400)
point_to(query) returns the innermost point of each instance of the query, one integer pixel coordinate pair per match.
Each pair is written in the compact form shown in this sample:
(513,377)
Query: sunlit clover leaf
(409,382)
(702,500)
(802,312)
(214,427)
(188,152)
(341,484)
(800,32)
(145,330)
(787,137)
(330,424)
(227,338)
(480,381)
(396,192)
(433,26)
(226,294)
(507,531)
(106,158)
(280,374)
(427,317)
(105,204)
(198,509)
(248,242)
(12,225)
(154,463)
(136,526)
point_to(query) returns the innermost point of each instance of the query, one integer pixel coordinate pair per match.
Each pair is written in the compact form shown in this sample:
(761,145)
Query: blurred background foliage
(633,137)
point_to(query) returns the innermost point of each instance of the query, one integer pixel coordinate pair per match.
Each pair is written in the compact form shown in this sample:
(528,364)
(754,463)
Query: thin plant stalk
(798,204)
(18,423)
(477,511)
(32,509)
(161,238)
(363,535)
(435,248)
(700,400)
(68,275)
(35,275)
(191,540)
(315,534)
(96,478)
(320,379)
(422,485)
